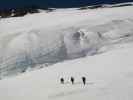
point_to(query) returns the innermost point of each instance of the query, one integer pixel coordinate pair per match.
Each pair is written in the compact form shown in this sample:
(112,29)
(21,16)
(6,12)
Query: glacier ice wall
(27,49)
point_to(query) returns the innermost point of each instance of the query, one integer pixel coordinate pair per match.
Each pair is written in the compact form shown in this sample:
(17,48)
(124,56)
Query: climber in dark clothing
(84,80)
(72,80)
(62,80)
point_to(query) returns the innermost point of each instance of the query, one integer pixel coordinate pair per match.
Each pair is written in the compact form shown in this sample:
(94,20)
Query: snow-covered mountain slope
(109,77)
(48,38)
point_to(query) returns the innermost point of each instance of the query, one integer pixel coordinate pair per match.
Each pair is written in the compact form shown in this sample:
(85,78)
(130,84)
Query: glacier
(65,34)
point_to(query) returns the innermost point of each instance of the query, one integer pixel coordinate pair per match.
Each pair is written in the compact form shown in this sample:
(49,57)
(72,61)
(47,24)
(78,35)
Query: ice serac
(75,34)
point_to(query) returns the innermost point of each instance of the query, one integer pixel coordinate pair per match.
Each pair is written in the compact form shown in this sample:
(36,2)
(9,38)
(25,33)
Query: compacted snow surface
(104,37)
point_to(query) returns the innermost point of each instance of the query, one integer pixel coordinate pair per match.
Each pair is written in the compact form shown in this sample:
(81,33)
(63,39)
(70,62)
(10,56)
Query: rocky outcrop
(18,12)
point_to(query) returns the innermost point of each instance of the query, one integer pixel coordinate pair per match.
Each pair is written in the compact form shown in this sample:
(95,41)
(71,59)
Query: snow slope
(48,38)
(109,77)
(104,37)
